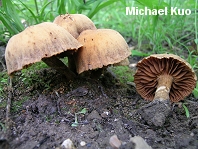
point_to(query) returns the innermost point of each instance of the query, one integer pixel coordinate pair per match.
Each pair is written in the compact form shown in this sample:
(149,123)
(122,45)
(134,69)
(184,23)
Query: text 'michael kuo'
(165,11)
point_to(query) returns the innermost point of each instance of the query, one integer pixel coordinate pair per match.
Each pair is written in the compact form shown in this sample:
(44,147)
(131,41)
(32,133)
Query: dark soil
(46,114)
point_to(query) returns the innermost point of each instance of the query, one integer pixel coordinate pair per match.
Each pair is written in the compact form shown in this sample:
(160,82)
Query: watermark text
(165,11)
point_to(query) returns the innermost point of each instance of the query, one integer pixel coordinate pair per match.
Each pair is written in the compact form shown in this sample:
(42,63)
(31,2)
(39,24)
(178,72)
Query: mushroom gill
(164,76)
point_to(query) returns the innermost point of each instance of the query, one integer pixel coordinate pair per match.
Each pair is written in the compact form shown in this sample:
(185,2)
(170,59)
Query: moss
(3,104)
(17,105)
(123,73)
(3,83)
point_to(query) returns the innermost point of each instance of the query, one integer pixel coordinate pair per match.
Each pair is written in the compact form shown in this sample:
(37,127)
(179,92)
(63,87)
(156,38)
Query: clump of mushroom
(101,48)
(162,78)
(74,24)
(40,42)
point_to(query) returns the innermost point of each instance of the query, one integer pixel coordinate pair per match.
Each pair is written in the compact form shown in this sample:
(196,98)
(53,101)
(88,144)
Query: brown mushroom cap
(74,23)
(37,42)
(101,47)
(151,68)
(124,62)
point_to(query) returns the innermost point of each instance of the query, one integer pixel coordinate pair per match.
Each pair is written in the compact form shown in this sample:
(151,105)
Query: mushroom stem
(57,64)
(71,64)
(163,87)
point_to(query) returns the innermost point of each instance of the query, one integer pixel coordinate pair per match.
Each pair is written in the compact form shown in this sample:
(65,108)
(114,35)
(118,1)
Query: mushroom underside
(164,78)
(58,65)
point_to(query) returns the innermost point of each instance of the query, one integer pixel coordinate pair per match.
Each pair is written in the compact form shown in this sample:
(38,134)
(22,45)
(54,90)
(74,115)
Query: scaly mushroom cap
(37,42)
(150,68)
(101,47)
(74,23)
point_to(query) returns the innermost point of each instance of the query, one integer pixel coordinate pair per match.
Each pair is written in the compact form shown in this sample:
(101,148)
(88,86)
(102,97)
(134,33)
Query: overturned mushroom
(40,42)
(74,24)
(162,78)
(101,47)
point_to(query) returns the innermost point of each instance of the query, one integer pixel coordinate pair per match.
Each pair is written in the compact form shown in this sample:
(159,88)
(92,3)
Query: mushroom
(74,24)
(124,62)
(40,42)
(162,78)
(101,47)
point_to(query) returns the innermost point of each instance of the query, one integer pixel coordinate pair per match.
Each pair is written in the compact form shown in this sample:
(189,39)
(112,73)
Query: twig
(10,90)
(192,102)
(195,117)
(41,142)
(58,103)
(102,90)
(8,106)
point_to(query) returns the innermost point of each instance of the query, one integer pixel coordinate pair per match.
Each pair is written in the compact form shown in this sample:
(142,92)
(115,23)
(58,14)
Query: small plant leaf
(139,53)
(195,91)
(4,80)
(186,110)
(83,111)
(3,127)
(196,41)
(74,124)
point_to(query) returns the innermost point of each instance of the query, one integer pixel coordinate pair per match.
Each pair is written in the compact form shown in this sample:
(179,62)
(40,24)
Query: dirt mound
(48,116)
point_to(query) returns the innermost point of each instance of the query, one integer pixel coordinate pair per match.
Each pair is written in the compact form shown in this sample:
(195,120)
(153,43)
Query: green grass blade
(196,28)
(139,53)
(186,110)
(98,7)
(9,24)
(61,6)
(93,10)
(195,91)
(155,21)
(150,4)
(10,17)
(42,13)
(11,11)
(32,13)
